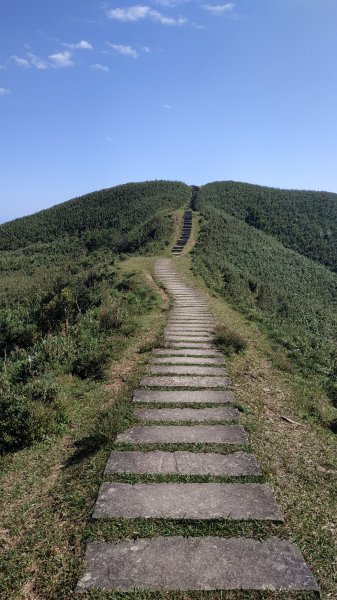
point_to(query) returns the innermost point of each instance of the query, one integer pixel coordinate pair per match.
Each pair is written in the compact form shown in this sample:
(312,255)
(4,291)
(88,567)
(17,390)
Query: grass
(49,490)
(213,595)
(299,461)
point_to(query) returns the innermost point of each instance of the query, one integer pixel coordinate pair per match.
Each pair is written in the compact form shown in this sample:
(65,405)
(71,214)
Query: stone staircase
(188,426)
(185,234)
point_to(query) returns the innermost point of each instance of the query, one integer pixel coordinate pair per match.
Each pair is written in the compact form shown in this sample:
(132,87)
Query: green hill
(302,220)
(65,307)
(125,212)
(293,297)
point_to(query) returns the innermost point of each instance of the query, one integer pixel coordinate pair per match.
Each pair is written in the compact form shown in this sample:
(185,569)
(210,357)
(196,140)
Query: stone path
(186,399)
(185,234)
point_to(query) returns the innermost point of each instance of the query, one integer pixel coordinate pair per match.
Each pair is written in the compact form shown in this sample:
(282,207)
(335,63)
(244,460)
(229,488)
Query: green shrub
(229,340)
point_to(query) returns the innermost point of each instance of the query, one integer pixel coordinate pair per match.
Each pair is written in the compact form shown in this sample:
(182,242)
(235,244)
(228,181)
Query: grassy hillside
(294,298)
(121,215)
(302,220)
(65,308)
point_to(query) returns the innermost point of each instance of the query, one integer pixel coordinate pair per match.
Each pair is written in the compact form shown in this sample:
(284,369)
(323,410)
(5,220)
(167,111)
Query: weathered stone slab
(187,360)
(184,396)
(199,563)
(188,323)
(187,313)
(180,434)
(185,381)
(187,414)
(189,345)
(185,370)
(190,320)
(186,352)
(204,501)
(189,337)
(183,463)
(191,326)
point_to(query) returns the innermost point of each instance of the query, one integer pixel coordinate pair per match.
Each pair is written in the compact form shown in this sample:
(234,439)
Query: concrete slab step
(180,434)
(185,370)
(194,381)
(183,397)
(188,338)
(186,352)
(187,414)
(201,563)
(237,464)
(202,345)
(187,360)
(201,501)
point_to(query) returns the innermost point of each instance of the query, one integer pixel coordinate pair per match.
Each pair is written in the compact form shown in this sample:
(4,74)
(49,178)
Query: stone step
(188,338)
(201,501)
(200,563)
(237,464)
(186,352)
(191,322)
(187,414)
(188,326)
(189,330)
(185,370)
(187,360)
(183,397)
(194,381)
(181,434)
(202,345)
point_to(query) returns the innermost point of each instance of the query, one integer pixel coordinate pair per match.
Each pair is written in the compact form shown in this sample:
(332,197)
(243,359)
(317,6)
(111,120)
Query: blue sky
(93,94)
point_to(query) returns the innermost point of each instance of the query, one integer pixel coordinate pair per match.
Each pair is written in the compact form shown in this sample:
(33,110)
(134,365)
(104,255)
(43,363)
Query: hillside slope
(304,221)
(65,308)
(122,210)
(293,297)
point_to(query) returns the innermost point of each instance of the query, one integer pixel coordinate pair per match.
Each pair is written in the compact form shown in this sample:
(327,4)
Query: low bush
(229,340)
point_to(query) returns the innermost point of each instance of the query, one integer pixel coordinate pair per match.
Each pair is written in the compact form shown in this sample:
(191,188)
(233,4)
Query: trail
(188,430)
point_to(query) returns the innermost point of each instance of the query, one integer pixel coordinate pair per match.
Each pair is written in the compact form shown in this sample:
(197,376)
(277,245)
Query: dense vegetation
(302,220)
(65,308)
(294,298)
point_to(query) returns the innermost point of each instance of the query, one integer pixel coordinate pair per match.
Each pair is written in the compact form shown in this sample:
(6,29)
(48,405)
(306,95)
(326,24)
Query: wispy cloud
(219,9)
(139,12)
(20,62)
(124,50)
(133,13)
(4,91)
(98,67)
(39,63)
(61,59)
(82,45)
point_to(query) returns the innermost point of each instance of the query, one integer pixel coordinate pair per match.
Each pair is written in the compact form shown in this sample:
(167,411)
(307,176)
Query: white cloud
(146,49)
(82,45)
(124,50)
(98,67)
(137,13)
(4,91)
(20,62)
(167,106)
(163,20)
(219,9)
(61,59)
(39,63)
(133,13)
